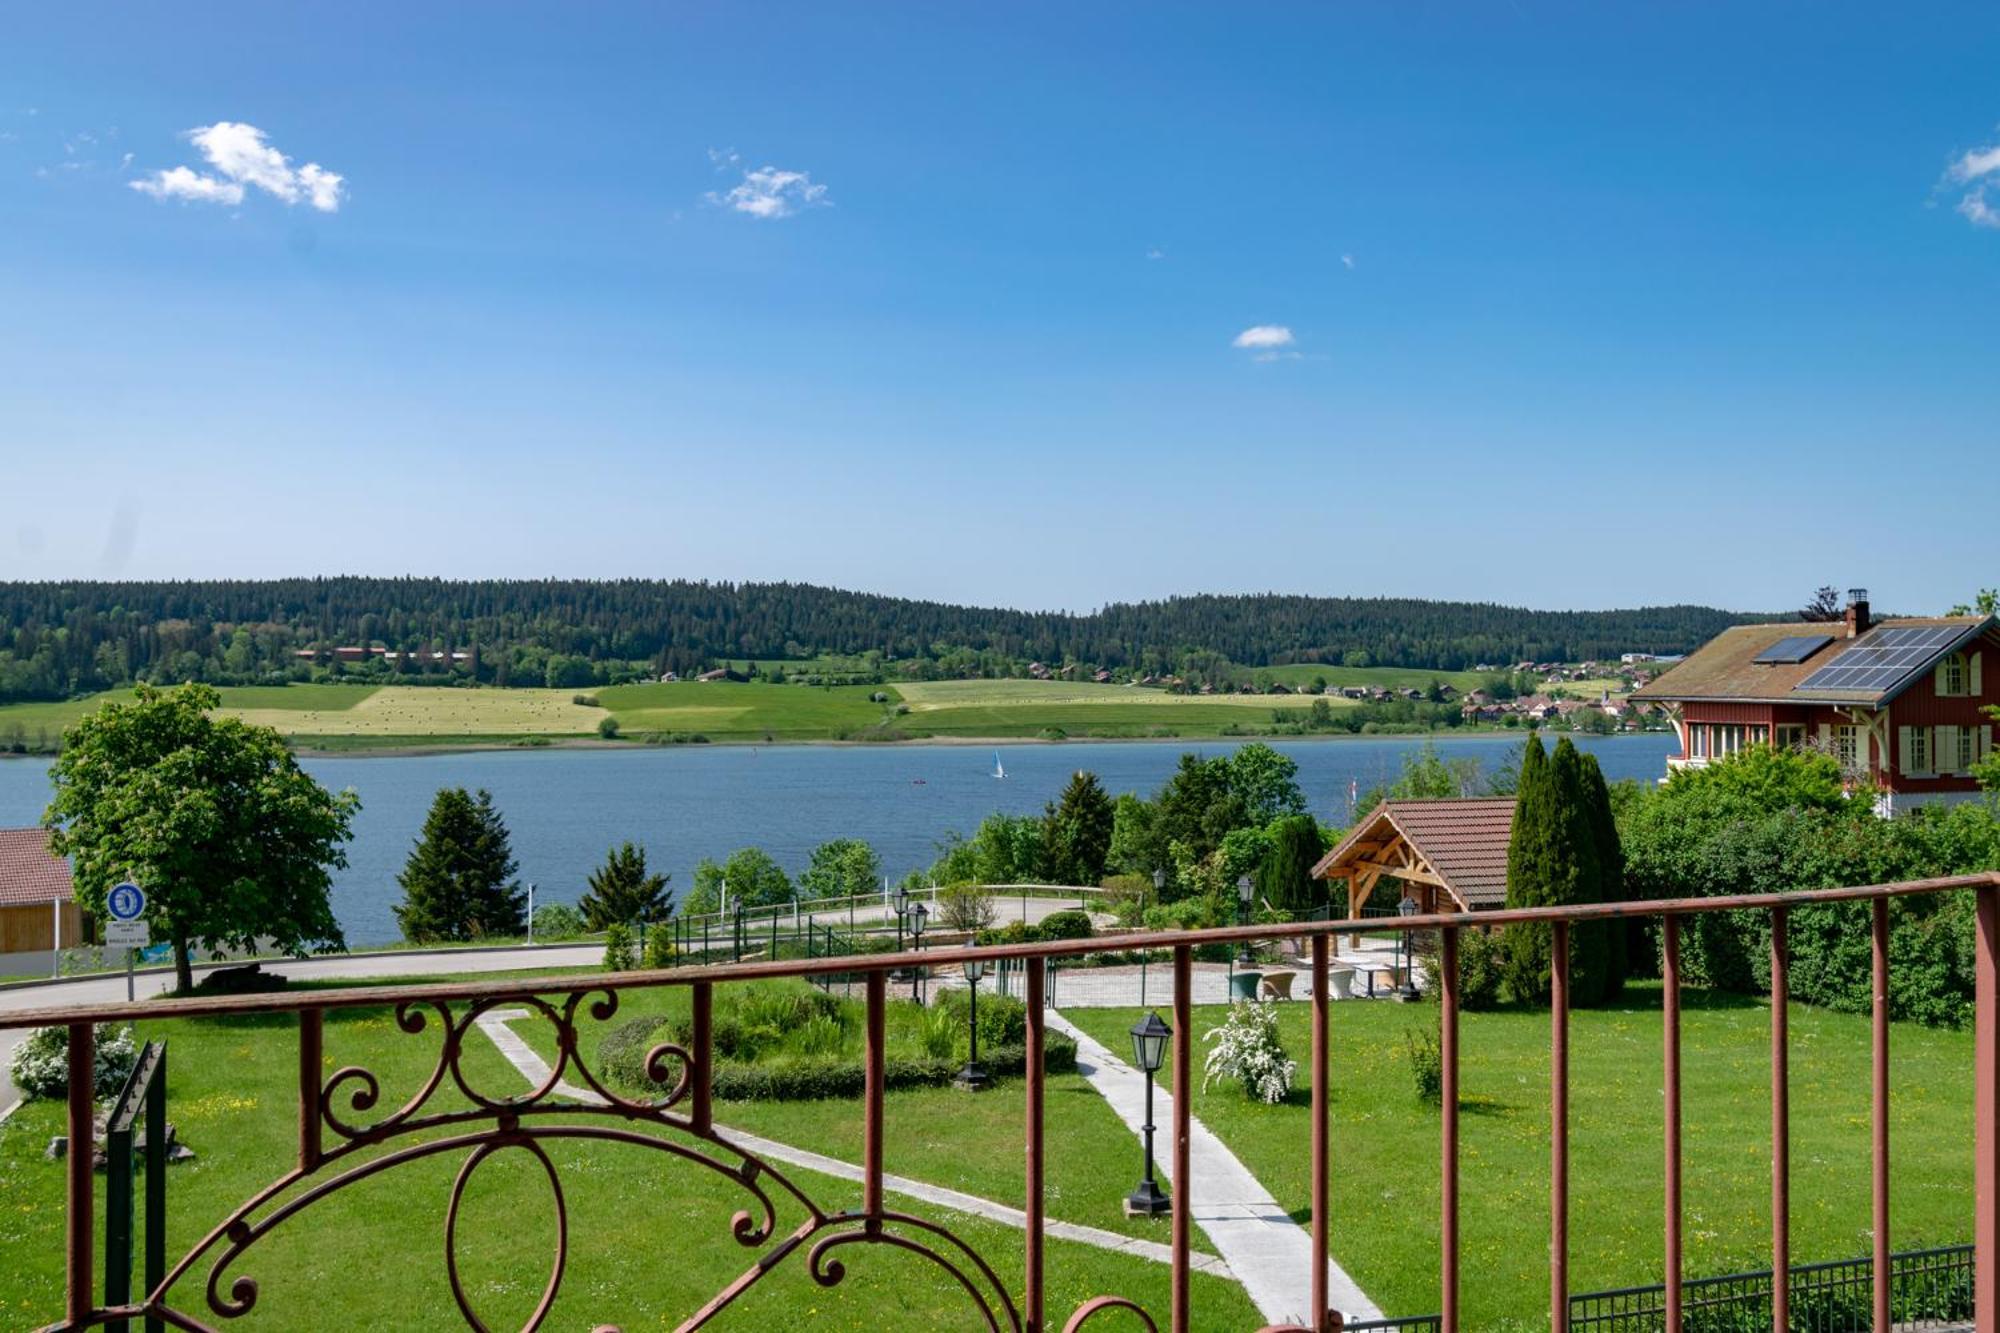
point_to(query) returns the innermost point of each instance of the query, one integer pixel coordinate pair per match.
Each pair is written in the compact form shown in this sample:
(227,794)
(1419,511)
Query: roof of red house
(1464,842)
(1726,667)
(29,872)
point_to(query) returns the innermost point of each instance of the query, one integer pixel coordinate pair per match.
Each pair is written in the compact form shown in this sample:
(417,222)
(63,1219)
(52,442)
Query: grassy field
(353,717)
(649,1234)
(1385,1145)
(1389,678)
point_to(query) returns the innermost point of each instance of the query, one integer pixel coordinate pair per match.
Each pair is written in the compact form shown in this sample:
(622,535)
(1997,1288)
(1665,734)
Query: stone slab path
(1270,1254)
(525,1058)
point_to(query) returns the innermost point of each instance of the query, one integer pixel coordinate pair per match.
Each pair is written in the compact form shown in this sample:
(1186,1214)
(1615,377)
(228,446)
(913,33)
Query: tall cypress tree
(622,892)
(1564,851)
(1531,856)
(1285,876)
(1610,876)
(459,881)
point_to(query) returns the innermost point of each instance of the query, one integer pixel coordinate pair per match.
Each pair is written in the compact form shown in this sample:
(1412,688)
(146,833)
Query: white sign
(127,935)
(125,902)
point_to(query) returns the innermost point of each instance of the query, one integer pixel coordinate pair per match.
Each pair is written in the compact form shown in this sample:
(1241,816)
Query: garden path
(525,1058)
(1270,1254)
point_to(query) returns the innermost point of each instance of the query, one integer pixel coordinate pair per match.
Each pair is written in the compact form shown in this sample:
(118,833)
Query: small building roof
(1459,845)
(29,872)
(1726,669)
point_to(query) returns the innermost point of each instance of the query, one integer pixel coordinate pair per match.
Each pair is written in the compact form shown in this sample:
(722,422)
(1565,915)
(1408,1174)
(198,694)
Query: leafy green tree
(841,868)
(1266,782)
(1285,877)
(1076,834)
(1007,849)
(1427,776)
(1196,807)
(622,891)
(1133,846)
(459,881)
(232,841)
(752,878)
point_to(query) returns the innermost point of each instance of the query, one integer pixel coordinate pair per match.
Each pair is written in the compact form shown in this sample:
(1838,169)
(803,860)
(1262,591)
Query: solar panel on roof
(1880,659)
(1796,648)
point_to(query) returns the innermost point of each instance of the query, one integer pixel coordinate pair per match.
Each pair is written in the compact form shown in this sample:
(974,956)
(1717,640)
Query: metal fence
(343,1136)
(1927,1289)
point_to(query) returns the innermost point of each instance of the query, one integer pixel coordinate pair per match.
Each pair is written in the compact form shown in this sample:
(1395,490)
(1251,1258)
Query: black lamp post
(1159,890)
(1243,888)
(1407,907)
(973,1077)
(917,914)
(902,904)
(1149,1049)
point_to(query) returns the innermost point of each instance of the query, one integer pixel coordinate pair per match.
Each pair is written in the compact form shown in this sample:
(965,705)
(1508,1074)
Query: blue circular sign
(125,902)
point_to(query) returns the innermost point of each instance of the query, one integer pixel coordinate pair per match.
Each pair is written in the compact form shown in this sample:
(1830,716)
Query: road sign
(126,935)
(125,902)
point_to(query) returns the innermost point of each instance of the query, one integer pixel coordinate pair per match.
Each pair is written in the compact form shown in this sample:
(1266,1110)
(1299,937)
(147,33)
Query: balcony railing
(340,1144)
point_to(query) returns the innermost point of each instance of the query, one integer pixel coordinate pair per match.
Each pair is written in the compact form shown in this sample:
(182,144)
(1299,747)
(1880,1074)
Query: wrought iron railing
(341,1140)
(1927,1289)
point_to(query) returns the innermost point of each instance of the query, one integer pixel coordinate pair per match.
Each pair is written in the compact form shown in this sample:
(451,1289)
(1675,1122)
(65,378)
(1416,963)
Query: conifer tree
(459,881)
(1611,876)
(621,891)
(1557,857)
(1076,834)
(1530,854)
(1285,877)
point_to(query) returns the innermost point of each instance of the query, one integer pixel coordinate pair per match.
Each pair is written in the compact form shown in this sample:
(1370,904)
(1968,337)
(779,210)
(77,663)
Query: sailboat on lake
(999,769)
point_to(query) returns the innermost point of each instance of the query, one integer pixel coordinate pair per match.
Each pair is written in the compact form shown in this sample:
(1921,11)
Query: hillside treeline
(60,639)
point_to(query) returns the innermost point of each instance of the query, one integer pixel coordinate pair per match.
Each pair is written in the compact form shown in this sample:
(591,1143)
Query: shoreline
(412,751)
(415,749)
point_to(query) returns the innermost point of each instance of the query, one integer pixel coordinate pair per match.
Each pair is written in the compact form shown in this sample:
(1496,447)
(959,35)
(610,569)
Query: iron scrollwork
(555,1110)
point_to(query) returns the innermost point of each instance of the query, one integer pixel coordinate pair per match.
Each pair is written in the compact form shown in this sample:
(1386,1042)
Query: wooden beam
(1420,875)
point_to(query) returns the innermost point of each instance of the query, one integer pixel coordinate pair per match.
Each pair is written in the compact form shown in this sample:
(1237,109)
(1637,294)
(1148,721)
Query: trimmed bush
(622,1057)
(1070,924)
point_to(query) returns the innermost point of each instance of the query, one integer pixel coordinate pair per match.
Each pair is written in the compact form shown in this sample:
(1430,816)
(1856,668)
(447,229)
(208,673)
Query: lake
(564,808)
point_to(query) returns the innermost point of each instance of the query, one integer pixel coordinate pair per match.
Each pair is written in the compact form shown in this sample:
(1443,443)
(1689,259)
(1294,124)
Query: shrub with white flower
(1246,1048)
(40,1067)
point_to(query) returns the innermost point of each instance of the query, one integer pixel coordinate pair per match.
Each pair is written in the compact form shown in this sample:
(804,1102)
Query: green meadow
(1386,1144)
(649,1234)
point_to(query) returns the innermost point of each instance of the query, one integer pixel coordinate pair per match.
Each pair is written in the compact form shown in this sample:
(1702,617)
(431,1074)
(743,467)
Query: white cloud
(1974,209)
(1156,253)
(1979,162)
(768,192)
(240,156)
(1263,338)
(185,183)
(1347,261)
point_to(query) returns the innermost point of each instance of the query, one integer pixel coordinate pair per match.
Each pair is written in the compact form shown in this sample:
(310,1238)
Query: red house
(1901,702)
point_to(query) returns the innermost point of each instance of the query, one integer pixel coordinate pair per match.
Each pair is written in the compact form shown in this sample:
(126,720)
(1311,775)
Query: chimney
(1857,612)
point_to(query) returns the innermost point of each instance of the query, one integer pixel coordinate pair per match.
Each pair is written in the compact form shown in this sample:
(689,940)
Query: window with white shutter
(1967,748)
(1915,747)
(1945,746)
(1953,677)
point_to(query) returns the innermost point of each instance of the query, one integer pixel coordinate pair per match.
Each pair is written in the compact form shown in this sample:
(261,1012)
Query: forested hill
(60,639)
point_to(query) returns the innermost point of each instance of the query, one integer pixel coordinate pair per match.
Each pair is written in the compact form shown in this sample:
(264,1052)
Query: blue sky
(1563,305)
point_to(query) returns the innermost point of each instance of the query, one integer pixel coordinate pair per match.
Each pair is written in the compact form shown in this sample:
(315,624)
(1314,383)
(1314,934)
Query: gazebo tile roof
(1463,840)
(29,872)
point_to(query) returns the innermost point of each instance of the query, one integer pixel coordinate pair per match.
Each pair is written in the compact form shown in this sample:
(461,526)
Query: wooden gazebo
(1451,853)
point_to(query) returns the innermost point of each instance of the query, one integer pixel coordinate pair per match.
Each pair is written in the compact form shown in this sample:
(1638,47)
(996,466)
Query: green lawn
(649,1235)
(1389,678)
(1386,1146)
(736,710)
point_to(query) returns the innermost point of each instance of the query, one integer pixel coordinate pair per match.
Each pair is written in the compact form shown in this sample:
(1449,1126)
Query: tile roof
(1464,841)
(1725,668)
(29,872)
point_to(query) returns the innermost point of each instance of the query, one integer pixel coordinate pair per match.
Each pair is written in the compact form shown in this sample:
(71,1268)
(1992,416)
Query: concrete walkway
(536,1070)
(1270,1254)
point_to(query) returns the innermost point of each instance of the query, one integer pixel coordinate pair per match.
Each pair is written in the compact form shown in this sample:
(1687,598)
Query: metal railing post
(82,1146)
(1781,1126)
(1322,1098)
(1879,1111)
(1670,927)
(311,1058)
(1559,1126)
(156,1183)
(1448,1166)
(701,1103)
(117,1220)
(871,1134)
(1183,1199)
(1032,1297)
(1986,1113)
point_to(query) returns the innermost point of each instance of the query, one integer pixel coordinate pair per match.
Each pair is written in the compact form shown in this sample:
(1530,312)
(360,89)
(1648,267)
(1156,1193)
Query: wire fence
(1928,1289)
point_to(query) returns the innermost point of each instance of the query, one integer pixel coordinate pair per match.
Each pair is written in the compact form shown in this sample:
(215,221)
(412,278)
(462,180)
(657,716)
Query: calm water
(565,807)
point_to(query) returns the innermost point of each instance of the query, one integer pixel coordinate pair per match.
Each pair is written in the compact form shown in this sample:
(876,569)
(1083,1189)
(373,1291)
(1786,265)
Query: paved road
(110,989)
